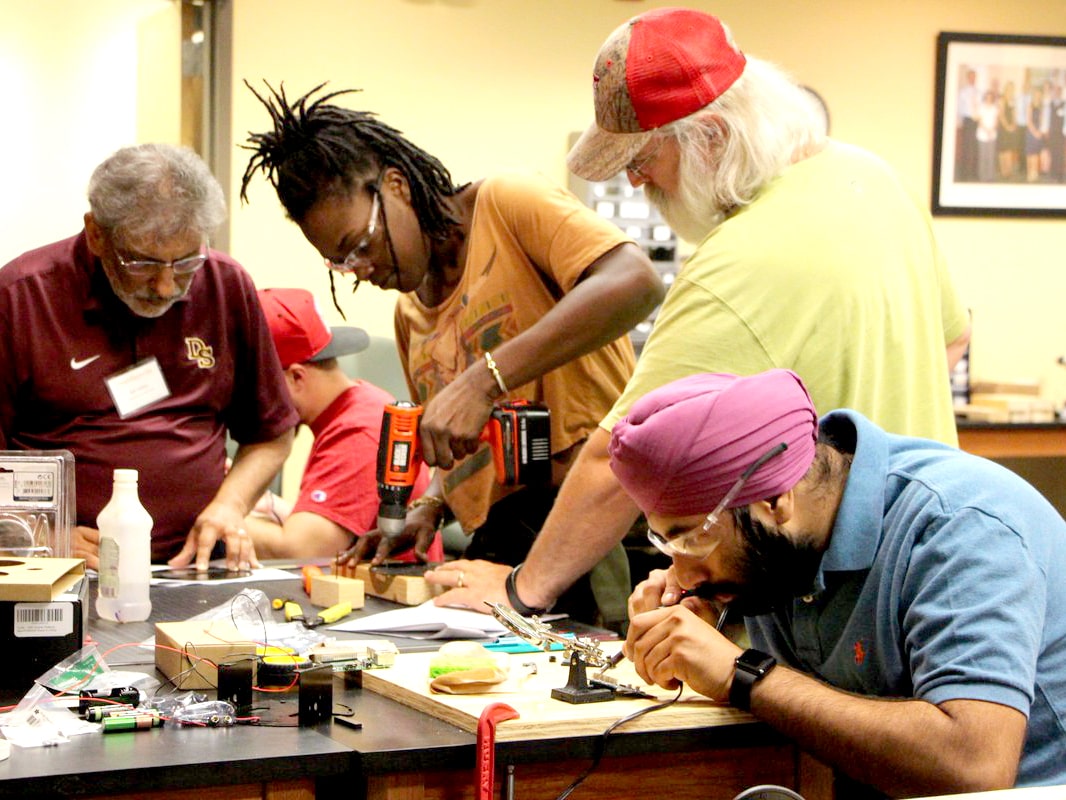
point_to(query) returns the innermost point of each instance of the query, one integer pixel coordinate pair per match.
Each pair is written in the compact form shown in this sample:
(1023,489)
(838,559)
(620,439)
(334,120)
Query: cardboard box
(44,613)
(188,652)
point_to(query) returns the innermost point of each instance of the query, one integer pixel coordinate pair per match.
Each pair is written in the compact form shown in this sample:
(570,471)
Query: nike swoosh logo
(75,364)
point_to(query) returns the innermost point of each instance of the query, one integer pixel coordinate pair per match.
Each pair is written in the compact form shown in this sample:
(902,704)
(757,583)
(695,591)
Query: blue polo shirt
(944,579)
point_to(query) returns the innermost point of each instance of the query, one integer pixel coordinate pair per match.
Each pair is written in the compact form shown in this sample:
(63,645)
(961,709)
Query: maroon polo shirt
(63,331)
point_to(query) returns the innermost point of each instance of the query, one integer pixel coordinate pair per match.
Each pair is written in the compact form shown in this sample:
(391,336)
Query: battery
(98,713)
(134,723)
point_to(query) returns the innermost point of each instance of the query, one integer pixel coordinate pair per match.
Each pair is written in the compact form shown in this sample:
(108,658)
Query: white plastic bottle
(125,553)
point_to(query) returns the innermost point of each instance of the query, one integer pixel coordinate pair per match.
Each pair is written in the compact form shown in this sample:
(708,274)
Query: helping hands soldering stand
(583,652)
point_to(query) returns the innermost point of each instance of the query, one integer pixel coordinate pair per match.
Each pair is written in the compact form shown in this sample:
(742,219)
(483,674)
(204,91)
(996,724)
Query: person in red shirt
(338,498)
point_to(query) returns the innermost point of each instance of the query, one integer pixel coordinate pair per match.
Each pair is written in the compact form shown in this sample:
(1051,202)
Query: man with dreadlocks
(511,288)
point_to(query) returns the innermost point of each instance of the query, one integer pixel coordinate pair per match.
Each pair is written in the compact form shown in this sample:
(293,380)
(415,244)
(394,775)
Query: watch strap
(516,601)
(750,667)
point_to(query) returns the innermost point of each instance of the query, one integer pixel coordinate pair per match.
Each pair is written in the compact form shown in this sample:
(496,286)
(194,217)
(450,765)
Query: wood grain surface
(540,715)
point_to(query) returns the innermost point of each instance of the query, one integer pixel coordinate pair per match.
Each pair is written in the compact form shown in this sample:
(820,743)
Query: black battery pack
(519,433)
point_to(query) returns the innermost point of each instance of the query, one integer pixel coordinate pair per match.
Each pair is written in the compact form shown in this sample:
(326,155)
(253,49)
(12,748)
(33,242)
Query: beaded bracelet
(490,362)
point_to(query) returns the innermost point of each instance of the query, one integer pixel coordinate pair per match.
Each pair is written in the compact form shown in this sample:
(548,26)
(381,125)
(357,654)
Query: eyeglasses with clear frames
(699,542)
(358,254)
(637,167)
(146,266)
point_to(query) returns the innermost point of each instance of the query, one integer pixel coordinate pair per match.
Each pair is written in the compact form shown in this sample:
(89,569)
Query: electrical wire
(601,742)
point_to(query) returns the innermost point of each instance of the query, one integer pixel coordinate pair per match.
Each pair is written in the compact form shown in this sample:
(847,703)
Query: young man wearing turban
(905,601)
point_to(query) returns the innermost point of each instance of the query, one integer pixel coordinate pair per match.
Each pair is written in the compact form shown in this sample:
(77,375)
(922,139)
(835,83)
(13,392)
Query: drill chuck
(392,519)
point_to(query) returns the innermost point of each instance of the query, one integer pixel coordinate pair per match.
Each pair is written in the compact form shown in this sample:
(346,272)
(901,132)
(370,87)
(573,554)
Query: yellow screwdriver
(293,611)
(330,615)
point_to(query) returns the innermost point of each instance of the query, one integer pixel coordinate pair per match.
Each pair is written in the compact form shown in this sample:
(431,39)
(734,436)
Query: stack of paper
(427,621)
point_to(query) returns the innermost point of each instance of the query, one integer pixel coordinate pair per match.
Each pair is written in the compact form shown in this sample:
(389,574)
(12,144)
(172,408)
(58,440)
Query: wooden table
(399,754)
(1013,440)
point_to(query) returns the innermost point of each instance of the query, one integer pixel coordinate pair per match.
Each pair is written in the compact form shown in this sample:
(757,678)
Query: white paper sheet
(427,621)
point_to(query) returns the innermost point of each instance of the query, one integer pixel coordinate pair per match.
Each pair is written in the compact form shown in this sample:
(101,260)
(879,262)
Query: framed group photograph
(999,145)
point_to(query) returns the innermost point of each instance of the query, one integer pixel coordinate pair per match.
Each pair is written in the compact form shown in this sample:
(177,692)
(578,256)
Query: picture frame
(995,152)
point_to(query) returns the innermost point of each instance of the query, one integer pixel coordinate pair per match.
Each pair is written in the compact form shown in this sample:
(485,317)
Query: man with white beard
(811,256)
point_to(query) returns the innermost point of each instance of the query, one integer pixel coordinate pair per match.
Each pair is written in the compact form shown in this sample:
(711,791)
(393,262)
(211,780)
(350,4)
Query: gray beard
(689,219)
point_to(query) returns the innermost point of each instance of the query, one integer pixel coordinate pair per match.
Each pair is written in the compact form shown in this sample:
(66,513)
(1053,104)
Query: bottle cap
(125,475)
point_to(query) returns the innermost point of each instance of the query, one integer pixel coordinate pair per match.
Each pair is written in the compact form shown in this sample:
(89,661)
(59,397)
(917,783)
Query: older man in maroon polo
(134,345)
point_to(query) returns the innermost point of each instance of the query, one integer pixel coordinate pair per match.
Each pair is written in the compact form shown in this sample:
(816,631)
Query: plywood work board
(541,716)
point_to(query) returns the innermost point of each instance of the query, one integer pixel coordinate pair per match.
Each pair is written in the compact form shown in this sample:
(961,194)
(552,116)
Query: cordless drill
(399,460)
(518,433)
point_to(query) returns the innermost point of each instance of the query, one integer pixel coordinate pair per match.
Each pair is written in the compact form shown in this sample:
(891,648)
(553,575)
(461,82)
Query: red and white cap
(655,69)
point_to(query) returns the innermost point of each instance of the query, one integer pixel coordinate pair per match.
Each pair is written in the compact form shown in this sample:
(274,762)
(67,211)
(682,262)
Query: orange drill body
(518,433)
(399,460)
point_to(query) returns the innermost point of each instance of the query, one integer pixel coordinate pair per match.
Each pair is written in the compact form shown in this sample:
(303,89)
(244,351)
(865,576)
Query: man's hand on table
(471,584)
(223,521)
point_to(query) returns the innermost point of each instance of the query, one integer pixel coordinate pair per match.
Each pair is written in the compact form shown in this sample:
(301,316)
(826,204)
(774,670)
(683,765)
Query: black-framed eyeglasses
(699,542)
(358,255)
(147,266)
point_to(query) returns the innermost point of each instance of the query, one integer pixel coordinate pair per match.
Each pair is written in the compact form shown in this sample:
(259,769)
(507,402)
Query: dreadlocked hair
(318,150)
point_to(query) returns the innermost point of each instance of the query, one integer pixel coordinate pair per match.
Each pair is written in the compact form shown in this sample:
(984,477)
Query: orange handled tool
(399,459)
(308,573)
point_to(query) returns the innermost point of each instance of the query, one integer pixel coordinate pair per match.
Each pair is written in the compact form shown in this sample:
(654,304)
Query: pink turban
(683,446)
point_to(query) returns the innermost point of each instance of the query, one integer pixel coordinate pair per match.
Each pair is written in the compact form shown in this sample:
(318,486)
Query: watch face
(755,661)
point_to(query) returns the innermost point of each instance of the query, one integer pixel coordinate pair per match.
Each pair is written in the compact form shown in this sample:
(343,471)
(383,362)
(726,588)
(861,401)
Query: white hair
(733,147)
(156,190)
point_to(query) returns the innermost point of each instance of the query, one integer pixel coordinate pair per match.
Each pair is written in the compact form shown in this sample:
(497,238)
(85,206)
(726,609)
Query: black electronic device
(194,574)
(751,667)
(235,684)
(316,695)
(411,568)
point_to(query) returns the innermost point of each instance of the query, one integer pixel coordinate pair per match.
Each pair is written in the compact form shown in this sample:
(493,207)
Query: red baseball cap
(300,331)
(655,69)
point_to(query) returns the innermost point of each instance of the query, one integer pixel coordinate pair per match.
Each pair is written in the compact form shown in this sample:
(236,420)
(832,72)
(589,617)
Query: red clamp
(486,746)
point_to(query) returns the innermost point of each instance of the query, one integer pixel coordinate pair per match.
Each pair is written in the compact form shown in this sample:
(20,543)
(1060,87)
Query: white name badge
(137,387)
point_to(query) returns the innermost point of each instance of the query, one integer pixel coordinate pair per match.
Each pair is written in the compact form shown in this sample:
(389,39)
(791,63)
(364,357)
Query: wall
(80,80)
(491,84)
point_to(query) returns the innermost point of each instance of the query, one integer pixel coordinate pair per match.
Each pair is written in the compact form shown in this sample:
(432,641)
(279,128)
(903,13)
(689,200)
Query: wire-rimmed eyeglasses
(148,266)
(699,542)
